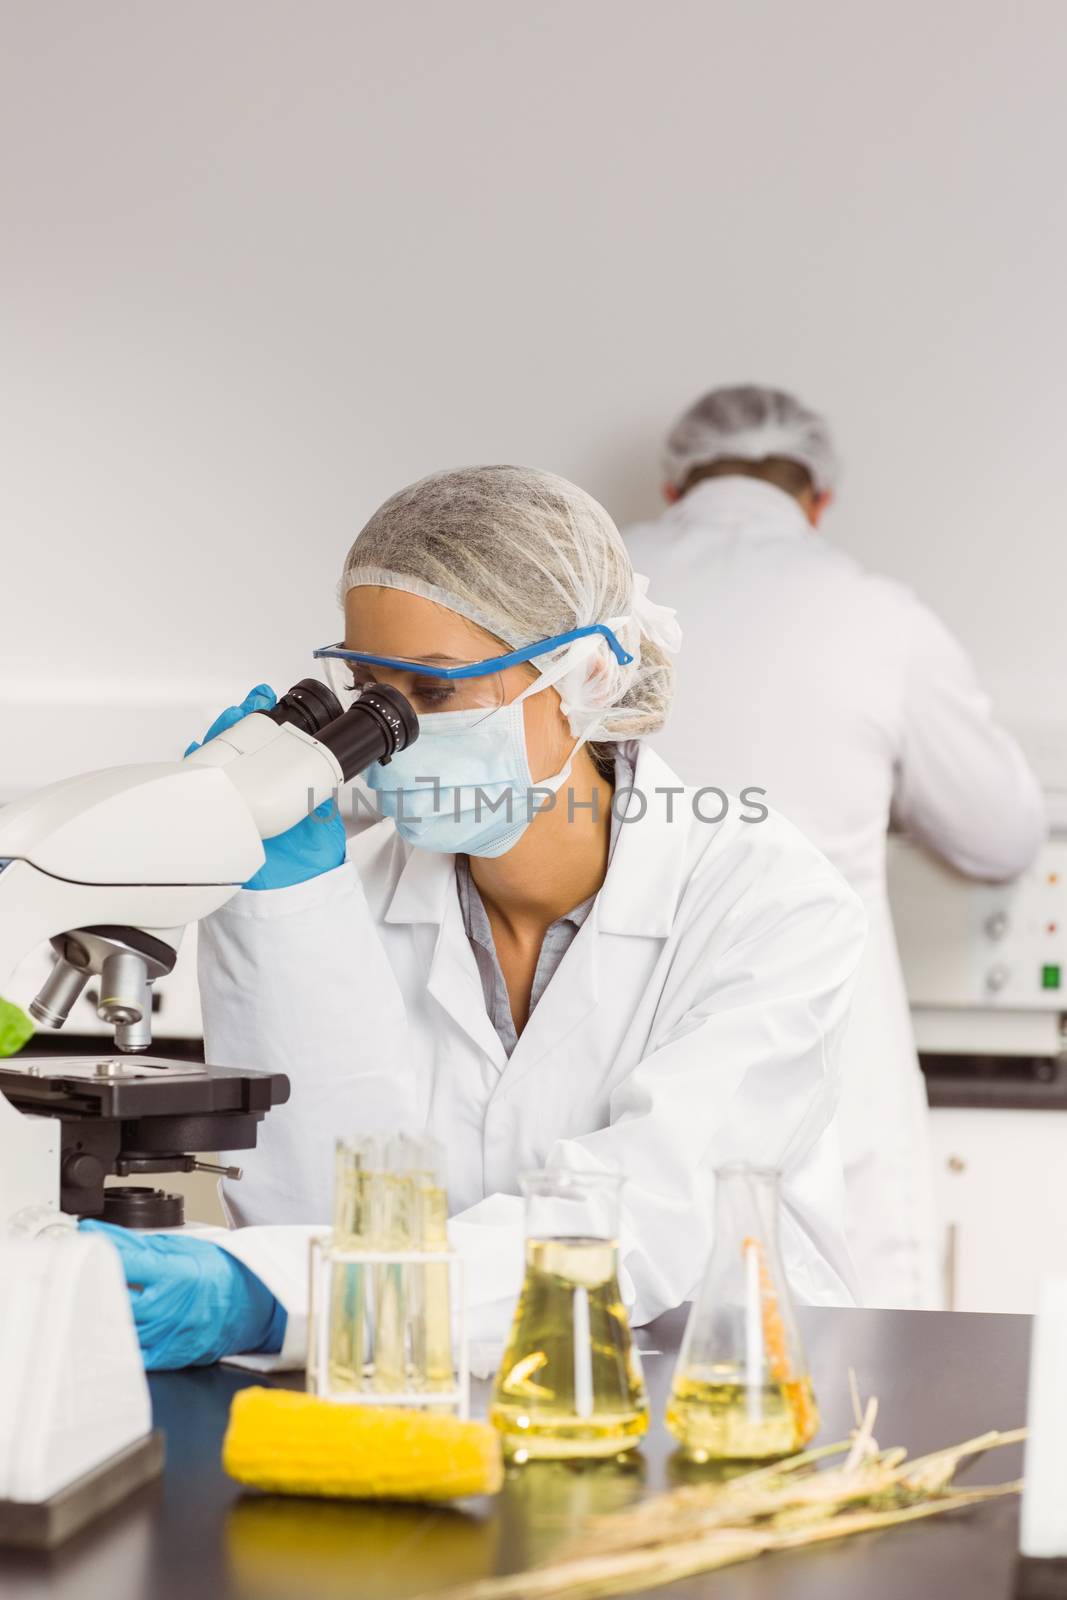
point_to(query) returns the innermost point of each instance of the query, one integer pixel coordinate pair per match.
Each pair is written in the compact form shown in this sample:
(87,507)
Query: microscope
(111,866)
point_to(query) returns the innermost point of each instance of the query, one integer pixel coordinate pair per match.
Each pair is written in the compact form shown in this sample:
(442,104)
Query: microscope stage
(137,1114)
(137,1086)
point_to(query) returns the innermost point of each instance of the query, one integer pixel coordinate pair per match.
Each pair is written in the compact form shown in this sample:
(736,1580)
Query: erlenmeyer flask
(570,1383)
(741,1389)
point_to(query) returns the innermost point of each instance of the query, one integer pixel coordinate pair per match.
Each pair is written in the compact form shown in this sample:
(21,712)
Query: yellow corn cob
(294,1443)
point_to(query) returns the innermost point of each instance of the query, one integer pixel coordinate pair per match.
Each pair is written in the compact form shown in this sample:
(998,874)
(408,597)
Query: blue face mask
(464,787)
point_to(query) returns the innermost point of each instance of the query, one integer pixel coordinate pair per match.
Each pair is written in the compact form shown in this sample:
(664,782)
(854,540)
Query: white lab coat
(842,696)
(694,1020)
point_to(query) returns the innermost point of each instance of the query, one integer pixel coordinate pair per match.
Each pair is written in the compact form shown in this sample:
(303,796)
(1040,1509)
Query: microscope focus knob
(82,1170)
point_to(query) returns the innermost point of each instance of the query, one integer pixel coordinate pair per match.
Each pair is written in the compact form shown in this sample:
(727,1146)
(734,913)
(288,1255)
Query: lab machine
(985,967)
(985,964)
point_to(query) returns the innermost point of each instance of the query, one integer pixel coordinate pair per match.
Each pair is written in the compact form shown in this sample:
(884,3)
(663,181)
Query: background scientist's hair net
(749,423)
(527,555)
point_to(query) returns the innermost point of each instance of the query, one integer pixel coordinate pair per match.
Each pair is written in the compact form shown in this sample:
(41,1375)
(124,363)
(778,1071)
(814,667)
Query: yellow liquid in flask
(570,1383)
(714,1416)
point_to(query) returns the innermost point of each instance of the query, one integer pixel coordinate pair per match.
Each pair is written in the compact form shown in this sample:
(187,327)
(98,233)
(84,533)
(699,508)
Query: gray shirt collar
(557,940)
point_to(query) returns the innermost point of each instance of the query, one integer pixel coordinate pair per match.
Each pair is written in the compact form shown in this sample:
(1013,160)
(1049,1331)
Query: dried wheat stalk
(785,1506)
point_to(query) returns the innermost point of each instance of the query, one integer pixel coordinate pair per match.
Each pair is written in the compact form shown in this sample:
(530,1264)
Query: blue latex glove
(315,845)
(192,1301)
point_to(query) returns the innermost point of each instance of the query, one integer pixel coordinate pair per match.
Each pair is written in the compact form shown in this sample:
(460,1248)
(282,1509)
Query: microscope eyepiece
(379,724)
(309,706)
(374,728)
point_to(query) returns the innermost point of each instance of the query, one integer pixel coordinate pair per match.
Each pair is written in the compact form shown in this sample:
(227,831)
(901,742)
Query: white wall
(266,260)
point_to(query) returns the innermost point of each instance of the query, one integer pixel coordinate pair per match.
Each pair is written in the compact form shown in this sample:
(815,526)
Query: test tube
(432,1326)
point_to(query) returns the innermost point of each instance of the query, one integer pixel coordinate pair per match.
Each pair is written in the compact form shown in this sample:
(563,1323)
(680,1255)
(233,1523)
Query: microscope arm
(34,907)
(112,865)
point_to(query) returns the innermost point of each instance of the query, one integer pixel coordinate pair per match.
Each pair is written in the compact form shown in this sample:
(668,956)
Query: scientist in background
(847,699)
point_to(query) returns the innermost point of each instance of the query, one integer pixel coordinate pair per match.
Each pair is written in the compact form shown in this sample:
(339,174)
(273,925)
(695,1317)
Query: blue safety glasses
(440,683)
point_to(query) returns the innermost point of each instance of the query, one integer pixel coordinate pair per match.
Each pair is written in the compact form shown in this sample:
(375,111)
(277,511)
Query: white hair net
(749,423)
(527,555)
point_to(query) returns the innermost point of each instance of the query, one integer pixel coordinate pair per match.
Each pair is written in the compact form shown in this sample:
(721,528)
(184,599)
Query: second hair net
(528,555)
(749,423)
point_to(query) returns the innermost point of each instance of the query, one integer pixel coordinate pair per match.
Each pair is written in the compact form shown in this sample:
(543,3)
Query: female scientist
(601,970)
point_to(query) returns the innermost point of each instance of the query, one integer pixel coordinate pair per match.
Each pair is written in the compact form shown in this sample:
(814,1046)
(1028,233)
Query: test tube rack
(327,1255)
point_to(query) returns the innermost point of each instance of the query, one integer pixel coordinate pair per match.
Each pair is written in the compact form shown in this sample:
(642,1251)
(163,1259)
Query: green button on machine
(1050,976)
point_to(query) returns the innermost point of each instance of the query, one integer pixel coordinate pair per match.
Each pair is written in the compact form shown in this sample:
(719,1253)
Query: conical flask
(570,1383)
(741,1389)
